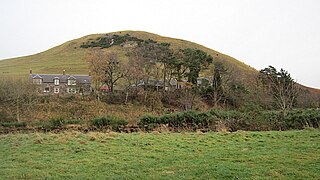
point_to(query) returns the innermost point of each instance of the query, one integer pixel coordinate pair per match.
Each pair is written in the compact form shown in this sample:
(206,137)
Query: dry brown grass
(80,109)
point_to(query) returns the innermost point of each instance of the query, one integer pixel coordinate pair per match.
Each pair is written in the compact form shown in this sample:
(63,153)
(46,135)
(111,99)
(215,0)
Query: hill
(71,57)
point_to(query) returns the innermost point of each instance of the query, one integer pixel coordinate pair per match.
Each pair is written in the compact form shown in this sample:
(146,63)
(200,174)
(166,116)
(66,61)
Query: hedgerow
(234,120)
(213,120)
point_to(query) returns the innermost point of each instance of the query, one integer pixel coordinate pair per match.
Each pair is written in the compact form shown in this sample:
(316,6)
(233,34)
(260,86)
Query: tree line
(222,85)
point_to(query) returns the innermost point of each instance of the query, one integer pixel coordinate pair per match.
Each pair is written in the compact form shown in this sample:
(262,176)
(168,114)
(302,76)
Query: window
(56,90)
(46,89)
(37,81)
(72,90)
(72,82)
(56,81)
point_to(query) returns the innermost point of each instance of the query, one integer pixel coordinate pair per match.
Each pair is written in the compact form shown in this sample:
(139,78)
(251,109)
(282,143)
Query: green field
(96,155)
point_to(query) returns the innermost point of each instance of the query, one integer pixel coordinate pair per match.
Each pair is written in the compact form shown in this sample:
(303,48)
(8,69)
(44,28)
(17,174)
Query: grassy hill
(71,57)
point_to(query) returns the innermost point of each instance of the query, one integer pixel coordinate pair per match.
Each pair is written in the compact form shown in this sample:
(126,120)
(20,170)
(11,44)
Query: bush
(300,119)
(105,42)
(148,122)
(235,120)
(13,124)
(190,120)
(117,123)
(109,122)
(57,123)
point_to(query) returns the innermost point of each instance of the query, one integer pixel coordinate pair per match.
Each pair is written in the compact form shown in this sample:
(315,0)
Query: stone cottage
(61,83)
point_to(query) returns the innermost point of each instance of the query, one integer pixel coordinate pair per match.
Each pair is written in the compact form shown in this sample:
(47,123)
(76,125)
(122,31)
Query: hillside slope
(71,57)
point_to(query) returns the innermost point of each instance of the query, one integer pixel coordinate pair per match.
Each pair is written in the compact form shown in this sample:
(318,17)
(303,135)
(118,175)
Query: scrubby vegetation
(13,124)
(178,110)
(217,120)
(113,123)
(213,120)
(55,123)
(111,40)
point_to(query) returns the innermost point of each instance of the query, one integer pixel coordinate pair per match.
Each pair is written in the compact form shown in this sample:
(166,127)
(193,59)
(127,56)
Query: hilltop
(69,56)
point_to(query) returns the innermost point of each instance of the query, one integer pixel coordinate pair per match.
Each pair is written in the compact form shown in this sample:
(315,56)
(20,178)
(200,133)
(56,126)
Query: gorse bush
(234,120)
(213,120)
(302,119)
(58,123)
(186,120)
(101,122)
(111,40)
(113,123)
(13,124)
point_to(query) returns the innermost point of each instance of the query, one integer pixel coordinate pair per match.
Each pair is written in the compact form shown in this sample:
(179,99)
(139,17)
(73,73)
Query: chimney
(64,72)
(30,71)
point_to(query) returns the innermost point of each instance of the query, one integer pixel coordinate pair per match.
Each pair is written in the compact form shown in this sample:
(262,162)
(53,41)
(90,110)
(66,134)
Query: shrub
(148,122)
(57,122)
(13,124)
(105,42)
(100,122)
(235,120)
(109,122)
(189,119)
(117,123)
(299,119)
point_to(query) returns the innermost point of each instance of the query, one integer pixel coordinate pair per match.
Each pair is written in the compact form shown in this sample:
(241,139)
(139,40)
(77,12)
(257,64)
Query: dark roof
(49,78)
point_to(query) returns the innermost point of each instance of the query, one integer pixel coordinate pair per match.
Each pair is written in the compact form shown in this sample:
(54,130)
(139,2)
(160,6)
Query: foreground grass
(254,155)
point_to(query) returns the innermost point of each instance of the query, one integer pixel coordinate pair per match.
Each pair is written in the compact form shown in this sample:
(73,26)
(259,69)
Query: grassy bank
(75,155)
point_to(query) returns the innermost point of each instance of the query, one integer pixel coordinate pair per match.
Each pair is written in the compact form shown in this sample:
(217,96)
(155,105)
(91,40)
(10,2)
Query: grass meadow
(213,155)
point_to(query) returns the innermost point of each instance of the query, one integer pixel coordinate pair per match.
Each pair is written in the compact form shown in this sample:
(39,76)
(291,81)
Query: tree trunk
(164,76)
(126,100)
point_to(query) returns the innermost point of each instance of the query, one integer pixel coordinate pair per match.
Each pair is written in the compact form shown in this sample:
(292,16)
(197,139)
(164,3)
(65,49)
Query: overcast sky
(281,33)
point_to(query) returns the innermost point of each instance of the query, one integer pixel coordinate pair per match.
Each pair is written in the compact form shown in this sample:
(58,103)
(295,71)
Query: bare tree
(106,68)
(223,82)
(281,86)
(17,94)
(113,70)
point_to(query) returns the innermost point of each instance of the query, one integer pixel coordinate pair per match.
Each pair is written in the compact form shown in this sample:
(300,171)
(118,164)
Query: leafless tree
(106,68)
(17,94)
(281,86)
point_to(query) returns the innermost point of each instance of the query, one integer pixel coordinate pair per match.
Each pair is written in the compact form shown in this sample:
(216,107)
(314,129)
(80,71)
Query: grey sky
(282,33)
